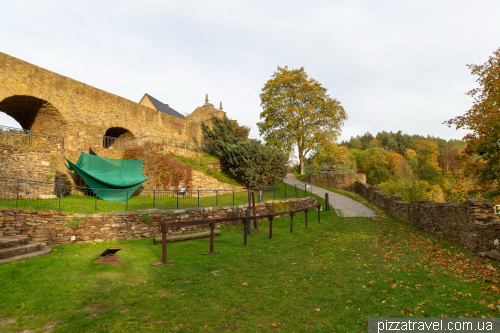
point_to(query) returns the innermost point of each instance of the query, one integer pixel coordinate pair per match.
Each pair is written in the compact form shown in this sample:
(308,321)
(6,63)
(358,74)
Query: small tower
(220,108)
(206,101)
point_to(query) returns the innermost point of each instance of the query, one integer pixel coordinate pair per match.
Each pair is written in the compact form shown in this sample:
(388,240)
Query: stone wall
(472,224)
(49,103)
(344,182)
(46,164)
(56,228)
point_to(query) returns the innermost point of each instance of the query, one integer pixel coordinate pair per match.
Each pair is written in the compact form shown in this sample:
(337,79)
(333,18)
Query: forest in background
(414,166)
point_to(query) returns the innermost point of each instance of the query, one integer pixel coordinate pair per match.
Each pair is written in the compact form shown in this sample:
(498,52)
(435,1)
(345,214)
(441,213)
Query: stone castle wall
(57,228)
(49,103)
(46,164)
(472,224)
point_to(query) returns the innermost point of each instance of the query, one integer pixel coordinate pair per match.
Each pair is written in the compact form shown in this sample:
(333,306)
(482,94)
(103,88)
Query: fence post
(233,197)
(274,192)
(198,198)
(95,205)
(154,199)
(285,191)
(247,226)
(126,209)
(17,198)
(327,202)
(217,197)
(309,178)
(295,190)
(177,199)
(354,168)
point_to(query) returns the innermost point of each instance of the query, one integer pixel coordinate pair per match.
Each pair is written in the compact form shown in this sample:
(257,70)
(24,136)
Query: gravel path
(344,206)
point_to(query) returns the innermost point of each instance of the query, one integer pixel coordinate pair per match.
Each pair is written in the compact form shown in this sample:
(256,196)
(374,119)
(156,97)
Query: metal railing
(25,138)
(122,143)
(35,195)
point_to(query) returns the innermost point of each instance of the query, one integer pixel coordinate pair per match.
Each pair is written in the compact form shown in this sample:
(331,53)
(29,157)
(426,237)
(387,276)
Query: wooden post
(319,219)
(164,248)
(291,222)
(163,243)
(306,217)
(271,227)
(245,225)
(255,225)
(211,238)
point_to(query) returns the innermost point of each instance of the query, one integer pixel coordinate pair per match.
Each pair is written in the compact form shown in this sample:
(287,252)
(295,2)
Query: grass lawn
(89,204)
(332,276)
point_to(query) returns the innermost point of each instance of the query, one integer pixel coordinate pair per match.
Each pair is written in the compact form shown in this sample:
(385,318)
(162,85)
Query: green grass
(90,205)
(201,163)
(333,275)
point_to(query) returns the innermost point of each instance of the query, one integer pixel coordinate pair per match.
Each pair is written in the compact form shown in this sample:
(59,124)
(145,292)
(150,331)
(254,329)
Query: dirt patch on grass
(134,283)
(7,321)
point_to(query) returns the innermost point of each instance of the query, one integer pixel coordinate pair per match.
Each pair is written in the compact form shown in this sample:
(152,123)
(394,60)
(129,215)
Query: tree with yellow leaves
(297,112)
(331,154)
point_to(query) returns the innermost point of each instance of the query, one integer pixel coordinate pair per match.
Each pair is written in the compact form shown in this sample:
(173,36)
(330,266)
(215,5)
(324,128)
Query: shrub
(164,169)
(246,159)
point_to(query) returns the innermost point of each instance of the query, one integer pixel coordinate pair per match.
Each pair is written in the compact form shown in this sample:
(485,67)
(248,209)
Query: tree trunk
(301,159)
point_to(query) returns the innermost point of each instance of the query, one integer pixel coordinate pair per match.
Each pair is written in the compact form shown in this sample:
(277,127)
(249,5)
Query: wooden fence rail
(212,222)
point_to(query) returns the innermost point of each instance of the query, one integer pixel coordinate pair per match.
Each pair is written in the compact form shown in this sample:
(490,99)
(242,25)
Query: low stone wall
(344,182)
(56,228)
(472,224)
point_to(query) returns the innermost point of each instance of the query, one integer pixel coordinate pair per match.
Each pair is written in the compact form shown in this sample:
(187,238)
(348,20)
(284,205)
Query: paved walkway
(344,206)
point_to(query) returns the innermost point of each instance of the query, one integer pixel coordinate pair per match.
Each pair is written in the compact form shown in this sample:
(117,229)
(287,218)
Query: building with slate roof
(153,103)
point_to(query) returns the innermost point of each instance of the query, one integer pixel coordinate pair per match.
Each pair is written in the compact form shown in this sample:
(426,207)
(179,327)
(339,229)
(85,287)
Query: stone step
(43,250)
(6,242)
(19,250)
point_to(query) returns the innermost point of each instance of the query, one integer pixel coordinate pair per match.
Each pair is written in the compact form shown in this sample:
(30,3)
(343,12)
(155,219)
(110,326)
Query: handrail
(211,222)
(11,136)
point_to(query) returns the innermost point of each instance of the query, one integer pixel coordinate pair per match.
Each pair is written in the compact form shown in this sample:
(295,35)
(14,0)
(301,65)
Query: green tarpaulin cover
(110,179)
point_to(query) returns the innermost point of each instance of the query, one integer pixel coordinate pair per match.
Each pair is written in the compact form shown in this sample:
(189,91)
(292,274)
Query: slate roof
(164,107)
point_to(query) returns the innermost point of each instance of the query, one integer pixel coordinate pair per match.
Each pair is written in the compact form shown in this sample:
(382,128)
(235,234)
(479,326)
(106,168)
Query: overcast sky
(394,65)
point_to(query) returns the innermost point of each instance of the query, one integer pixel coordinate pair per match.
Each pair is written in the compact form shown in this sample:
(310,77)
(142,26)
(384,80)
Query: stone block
(120,213)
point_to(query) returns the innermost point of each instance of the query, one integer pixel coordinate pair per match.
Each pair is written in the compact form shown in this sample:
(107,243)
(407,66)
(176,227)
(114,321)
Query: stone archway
(35,114)
(117,138)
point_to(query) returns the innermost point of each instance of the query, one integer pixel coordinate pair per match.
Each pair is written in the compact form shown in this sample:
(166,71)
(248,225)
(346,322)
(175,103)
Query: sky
(393,65)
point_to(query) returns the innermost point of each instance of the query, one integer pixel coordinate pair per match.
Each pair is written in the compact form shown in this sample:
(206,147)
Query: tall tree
(427,157)
(483,120)
(297,111)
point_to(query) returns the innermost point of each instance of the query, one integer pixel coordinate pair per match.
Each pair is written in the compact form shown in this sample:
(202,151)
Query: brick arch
(35,114)
(118,133)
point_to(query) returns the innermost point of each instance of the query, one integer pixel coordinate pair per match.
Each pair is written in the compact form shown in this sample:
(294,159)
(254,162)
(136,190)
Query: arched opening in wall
(117,138)
(35,114)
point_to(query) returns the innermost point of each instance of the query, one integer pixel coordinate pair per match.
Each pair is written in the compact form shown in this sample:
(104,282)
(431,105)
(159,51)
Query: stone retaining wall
(472,224)
(344,182)
(57,228)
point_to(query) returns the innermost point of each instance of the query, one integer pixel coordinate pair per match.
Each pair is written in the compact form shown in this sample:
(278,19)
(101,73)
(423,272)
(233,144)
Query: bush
(164,169)
(246,159)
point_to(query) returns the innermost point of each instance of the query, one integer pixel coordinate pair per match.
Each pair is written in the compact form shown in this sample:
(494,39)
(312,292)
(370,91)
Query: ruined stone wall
(49,103)
(344,182)
(46,164)
(56,228)
(472,224)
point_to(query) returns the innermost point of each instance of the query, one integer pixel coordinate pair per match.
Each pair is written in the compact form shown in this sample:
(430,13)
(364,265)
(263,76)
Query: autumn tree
(427,158)
(331,153)
(377,167)
(483,122)
(297,112)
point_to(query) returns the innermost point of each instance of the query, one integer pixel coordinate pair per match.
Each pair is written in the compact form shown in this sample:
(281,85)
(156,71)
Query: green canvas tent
(110,179)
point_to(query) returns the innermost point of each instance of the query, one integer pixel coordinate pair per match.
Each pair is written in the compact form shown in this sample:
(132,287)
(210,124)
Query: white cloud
(394,65)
